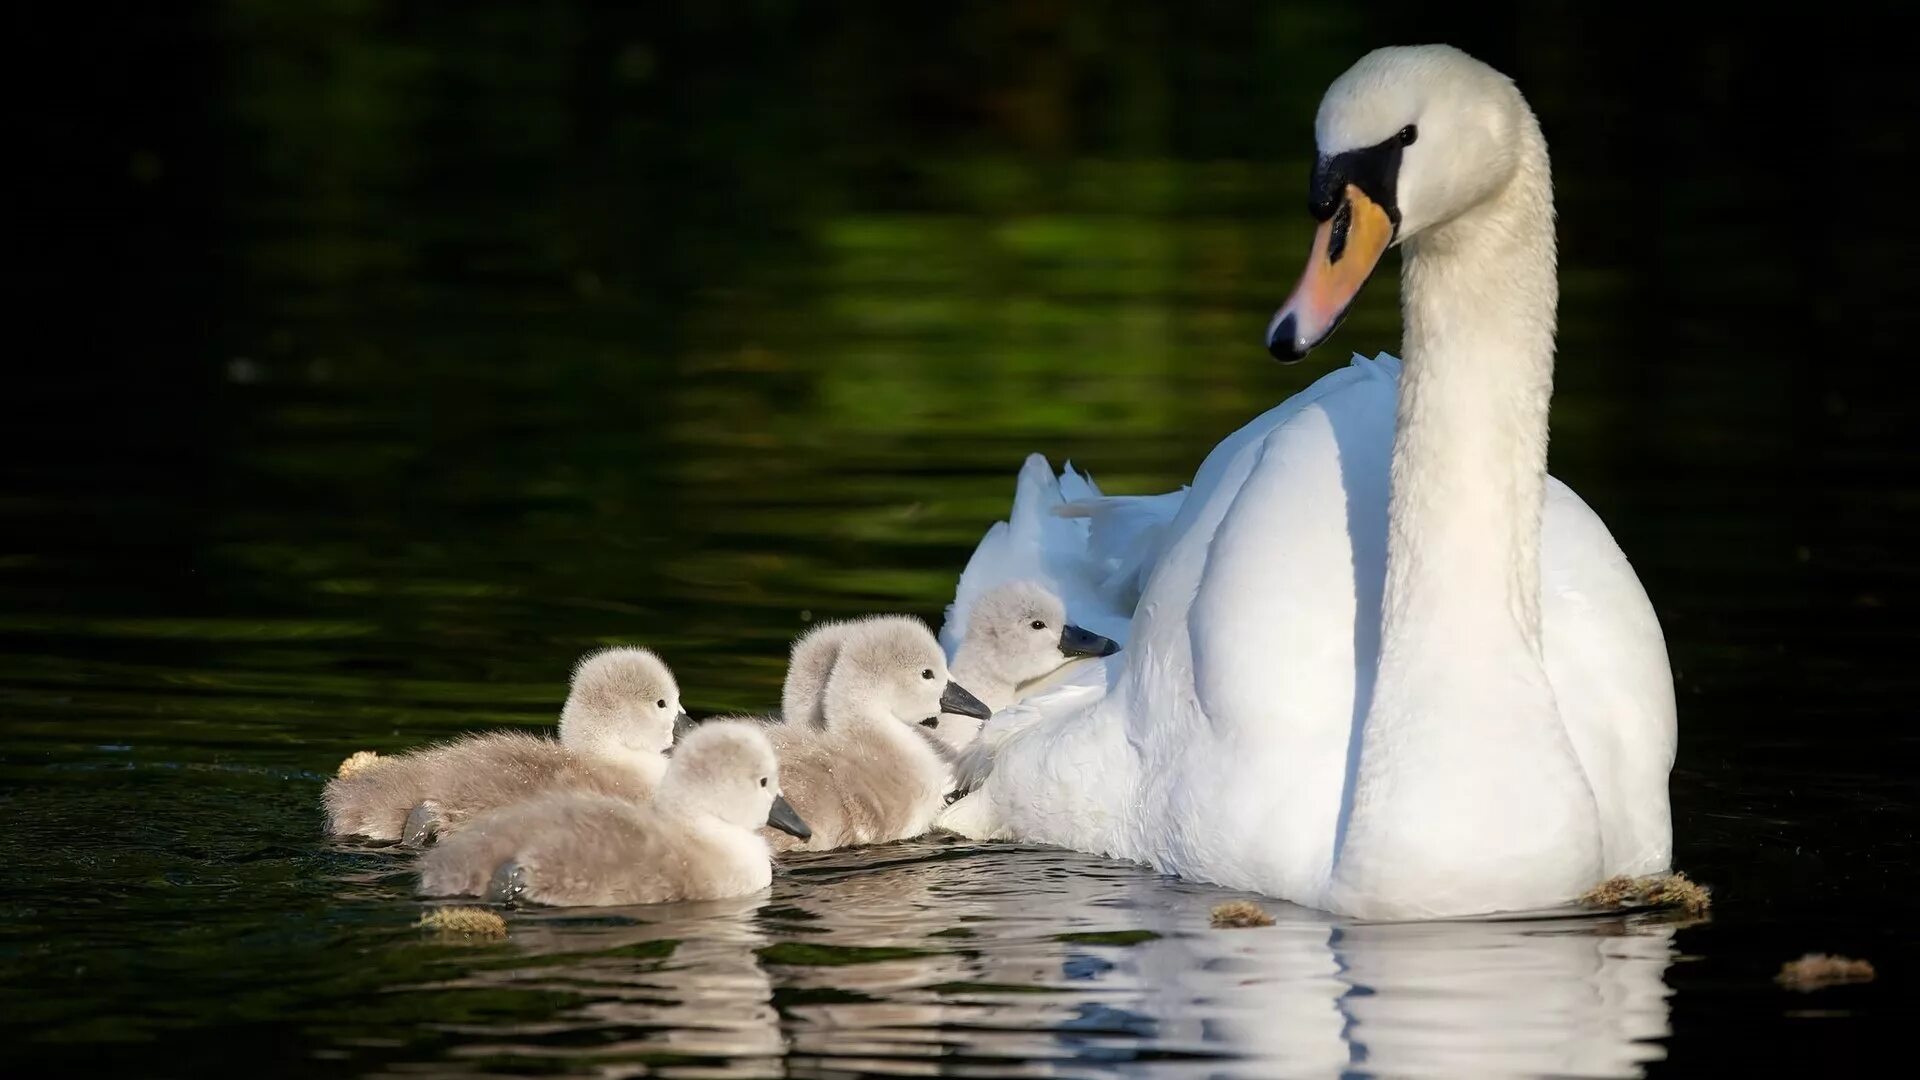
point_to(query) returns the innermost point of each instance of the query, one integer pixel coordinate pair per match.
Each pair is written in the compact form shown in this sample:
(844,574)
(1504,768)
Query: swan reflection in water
(665,982)
(937,957)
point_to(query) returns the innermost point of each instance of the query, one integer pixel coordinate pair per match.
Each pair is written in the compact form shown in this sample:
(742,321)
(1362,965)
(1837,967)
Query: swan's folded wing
(1126,536)
(1033,544)
(1607,660)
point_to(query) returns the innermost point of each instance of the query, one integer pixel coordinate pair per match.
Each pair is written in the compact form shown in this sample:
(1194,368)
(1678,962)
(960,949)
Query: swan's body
(620,717)
(864,774)
(696,838)
(1381,663)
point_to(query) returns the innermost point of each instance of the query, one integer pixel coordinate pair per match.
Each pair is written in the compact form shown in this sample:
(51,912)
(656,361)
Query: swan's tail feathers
(1126,536)
(1033,544)
(985,564)
(1092,550)
(1074,486)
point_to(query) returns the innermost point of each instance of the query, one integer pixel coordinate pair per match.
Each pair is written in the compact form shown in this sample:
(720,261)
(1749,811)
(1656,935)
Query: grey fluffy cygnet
(864,774)
(698,838)
(1017,634)
(620,719)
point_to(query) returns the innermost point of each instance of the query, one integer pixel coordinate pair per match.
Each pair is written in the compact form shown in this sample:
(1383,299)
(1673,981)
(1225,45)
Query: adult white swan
(1379,662)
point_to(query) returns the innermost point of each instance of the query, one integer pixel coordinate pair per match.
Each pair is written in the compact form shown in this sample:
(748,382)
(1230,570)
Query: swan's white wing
(1607,661)
(1126,536)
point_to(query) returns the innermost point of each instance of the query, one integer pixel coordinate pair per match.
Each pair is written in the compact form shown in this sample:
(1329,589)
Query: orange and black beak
(1353,198)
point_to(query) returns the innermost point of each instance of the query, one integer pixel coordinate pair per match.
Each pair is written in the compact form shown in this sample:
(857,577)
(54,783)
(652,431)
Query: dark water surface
(412,356)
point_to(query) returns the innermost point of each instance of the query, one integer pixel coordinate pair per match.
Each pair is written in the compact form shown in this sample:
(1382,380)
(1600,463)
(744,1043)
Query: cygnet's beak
(683,724)
(1075,642)
(958,701)
(783,817)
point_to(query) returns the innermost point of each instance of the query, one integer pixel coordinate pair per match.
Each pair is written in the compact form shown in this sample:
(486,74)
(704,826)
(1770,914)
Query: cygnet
(620,719)
(698,838)
(1017,635)
(864,774)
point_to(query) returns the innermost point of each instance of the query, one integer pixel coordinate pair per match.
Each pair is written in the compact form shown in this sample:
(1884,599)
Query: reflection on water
(417,354)
(663,984)
(935,958)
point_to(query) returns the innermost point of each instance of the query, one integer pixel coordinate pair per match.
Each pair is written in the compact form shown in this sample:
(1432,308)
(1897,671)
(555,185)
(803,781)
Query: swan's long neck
(1470,452)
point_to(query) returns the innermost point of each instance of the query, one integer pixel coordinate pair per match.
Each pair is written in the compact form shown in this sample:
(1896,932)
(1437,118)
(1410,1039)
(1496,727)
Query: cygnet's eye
(1408,134)
(763,781)
(927,674)
(661,704)
(1039,624)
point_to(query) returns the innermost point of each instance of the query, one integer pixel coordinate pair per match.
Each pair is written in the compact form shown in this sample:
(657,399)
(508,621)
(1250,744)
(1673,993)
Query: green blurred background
(452,332)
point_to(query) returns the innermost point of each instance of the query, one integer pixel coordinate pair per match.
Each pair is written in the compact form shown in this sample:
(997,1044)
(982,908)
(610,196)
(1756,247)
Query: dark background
(373,361)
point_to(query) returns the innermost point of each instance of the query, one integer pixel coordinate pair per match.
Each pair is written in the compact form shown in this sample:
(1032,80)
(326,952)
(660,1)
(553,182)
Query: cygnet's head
(1410,138)
(808,666)
(891,667)
(623,702)
(1019,632)
(727,769)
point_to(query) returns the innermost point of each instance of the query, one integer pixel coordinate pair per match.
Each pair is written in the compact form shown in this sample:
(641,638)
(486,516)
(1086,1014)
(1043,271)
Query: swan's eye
(927,674)
(661,704)
(1039,625)
(763,781)
(1408,134)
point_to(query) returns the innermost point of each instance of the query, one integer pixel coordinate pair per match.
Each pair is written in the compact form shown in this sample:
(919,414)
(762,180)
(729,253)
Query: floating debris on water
(1654,890)
(465,921)
(358,761)
(1235,914)
(1816,970)
(1613,892)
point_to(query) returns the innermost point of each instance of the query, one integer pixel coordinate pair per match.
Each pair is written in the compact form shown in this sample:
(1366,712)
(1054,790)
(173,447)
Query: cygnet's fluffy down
(811,661)
(620,718)
(808,665)
(1017,635)
(864,774)
(698,838)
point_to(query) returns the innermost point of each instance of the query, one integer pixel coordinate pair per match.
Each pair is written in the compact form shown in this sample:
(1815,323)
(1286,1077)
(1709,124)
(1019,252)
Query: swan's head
(1408,139)
(1019,632)
(623,702)
(727,769)
(890,667)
